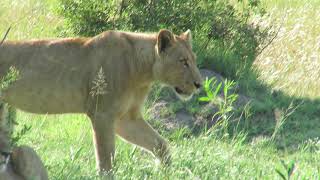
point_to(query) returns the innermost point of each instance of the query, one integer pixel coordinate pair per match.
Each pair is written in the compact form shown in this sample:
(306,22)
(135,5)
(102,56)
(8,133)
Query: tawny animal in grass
(18,163)
(22,164)
(56,76)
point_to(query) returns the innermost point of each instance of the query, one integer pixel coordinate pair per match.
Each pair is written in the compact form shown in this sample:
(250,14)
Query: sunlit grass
(292,62)
(29,19)
(58,139)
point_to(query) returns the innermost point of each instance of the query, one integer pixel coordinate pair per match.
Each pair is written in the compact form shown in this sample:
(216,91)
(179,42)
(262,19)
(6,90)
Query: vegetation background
(269,48)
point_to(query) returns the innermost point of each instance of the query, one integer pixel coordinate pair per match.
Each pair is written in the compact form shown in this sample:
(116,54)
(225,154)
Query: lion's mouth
(183,95)
(178,90)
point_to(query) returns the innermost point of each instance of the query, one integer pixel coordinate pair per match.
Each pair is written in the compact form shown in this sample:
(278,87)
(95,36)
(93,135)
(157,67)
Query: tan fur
(56,77)
(23,162)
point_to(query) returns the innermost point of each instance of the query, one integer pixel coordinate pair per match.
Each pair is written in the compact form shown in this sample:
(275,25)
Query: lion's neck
(142,67)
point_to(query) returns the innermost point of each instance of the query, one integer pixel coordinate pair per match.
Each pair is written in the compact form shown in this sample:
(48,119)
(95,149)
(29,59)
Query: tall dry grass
(292,61)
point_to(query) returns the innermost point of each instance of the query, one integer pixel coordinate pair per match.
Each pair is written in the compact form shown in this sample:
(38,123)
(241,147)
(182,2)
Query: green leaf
(291,168)
(204,99)
(76,155)
(281,174)
(217,89)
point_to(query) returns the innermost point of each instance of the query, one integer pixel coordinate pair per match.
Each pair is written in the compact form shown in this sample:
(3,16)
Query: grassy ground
(290,65)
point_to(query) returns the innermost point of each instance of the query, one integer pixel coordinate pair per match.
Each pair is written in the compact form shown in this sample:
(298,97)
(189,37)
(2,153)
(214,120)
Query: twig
(205,45)
(273,38)
(121,8)
(26,15)
(5,36)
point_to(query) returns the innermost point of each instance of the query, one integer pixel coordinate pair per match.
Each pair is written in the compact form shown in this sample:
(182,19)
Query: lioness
(56,76)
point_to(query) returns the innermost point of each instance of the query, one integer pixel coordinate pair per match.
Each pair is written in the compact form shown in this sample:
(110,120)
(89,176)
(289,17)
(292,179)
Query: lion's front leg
(104,141)
(134,129)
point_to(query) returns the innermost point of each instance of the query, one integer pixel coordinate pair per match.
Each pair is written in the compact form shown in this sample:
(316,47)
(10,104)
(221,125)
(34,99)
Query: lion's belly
(46,103)
(44,95)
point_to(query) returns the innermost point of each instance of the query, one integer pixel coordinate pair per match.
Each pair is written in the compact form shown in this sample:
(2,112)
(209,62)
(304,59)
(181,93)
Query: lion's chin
(184,97)
(181,94)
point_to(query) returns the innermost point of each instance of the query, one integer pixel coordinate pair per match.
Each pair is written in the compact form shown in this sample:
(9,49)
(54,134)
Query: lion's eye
(185,62)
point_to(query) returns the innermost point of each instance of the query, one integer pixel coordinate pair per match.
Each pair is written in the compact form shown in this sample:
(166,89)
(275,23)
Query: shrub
(222,36)
(9,112)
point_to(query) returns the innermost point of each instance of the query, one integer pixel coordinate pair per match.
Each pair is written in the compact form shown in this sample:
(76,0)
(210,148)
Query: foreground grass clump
(64,143)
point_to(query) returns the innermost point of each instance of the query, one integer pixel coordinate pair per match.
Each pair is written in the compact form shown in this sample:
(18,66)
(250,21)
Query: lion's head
(176,63)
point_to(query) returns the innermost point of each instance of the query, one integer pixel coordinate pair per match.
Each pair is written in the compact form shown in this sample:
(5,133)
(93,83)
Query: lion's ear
(187,36)
(165,39)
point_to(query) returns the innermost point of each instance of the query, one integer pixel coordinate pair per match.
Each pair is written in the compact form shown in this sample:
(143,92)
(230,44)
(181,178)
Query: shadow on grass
(301,122)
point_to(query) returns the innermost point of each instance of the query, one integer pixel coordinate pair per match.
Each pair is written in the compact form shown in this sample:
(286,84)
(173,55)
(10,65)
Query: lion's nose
(197,85)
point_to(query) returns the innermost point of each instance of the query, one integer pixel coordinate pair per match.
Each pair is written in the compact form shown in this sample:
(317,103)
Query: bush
(222,36)
(8,118)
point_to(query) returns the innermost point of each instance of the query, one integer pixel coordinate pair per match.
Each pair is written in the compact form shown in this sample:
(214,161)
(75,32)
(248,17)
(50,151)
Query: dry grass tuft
(292,62)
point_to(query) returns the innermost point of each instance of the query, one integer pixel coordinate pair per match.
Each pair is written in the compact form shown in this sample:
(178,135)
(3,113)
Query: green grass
(29,19)
(58,138)
(290,65)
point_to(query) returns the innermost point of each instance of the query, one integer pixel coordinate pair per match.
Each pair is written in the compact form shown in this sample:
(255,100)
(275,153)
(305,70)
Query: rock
(205,73)
(210,74)
(242,101)
(206,117)
(158,109)
(171,115)
(161,111)
(184,119)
